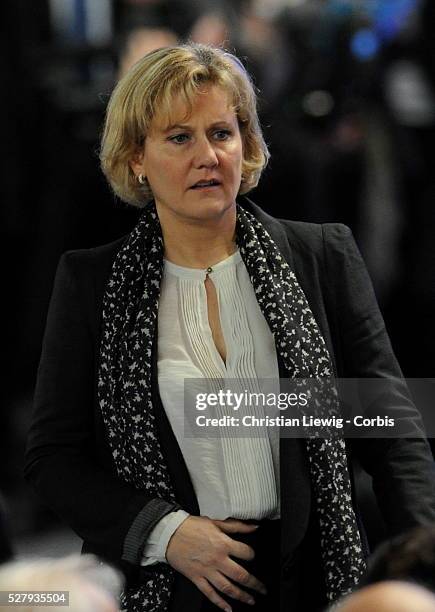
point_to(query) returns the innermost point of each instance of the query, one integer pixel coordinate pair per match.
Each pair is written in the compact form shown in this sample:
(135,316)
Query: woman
(204,287)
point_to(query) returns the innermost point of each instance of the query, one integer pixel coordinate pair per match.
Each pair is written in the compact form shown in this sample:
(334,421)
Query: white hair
(93,586)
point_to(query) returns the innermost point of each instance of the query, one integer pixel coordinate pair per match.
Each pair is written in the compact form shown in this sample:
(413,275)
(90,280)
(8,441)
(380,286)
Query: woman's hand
(201,550)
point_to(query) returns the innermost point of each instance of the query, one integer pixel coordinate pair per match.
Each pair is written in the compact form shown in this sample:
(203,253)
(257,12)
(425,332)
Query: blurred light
(267,9)
(409,94)
(340,8)
(82,21)
(62,19)
(99,21)
(364,44)
(318,103)
(390,16)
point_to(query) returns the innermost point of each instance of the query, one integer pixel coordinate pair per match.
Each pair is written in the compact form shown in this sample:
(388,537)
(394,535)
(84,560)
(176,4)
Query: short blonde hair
(149,88)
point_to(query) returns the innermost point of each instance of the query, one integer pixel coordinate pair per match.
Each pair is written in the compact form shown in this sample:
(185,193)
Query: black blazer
(68,457)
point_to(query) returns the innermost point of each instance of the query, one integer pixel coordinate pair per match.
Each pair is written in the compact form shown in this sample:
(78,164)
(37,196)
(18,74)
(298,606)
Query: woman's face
(194,165)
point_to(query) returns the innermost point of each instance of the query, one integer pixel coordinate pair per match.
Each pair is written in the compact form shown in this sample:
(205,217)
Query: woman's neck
(198,244)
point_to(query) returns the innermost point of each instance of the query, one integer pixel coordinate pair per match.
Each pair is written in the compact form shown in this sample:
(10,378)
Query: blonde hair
(149,88)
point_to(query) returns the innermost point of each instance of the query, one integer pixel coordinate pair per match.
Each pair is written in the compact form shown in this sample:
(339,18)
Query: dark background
(346,95)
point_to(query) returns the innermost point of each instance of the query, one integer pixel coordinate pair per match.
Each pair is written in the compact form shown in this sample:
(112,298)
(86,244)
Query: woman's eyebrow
(181,126)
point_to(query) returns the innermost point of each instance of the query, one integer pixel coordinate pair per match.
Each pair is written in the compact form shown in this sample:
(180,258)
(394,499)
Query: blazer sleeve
(402,468)
(65,458)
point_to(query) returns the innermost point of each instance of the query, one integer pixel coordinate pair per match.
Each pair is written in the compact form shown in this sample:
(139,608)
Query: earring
(142,179)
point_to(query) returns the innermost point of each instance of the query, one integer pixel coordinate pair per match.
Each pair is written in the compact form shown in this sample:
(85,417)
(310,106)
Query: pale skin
(389,596)
(198,225)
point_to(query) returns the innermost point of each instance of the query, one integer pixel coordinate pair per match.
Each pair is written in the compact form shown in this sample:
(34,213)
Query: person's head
(91,585)
(209,92)
(389,597)
(409,556)
(142,40)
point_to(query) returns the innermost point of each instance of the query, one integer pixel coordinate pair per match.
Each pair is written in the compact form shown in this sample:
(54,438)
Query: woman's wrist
(158,540)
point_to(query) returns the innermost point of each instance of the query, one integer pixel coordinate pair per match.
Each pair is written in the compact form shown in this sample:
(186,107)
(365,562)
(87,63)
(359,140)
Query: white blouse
(234,477)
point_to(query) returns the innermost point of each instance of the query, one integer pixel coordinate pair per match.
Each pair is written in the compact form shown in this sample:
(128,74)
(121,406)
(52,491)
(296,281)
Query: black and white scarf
(130,309)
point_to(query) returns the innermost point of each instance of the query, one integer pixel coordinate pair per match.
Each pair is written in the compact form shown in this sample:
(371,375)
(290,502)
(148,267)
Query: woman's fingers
(238,574)
(241,551)
(205,587)
(229,589)
(230,525)
(201,550)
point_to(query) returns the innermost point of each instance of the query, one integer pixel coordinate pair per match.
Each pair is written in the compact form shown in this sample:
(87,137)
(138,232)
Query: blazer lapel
(294,468)
(308,273)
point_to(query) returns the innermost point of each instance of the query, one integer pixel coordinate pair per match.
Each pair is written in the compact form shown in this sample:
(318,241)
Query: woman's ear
(137,163)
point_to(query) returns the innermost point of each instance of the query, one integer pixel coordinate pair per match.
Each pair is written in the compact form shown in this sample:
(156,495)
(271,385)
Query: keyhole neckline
(201,273)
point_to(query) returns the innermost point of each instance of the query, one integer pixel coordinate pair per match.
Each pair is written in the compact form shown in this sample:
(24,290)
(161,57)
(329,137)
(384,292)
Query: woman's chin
(213,209)
(196,210)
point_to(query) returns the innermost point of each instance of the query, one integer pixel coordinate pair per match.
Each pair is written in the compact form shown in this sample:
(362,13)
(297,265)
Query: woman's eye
(179,138)
(222,134)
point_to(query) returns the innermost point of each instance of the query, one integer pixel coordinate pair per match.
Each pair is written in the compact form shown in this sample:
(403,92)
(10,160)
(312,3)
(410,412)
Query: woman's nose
(205,155)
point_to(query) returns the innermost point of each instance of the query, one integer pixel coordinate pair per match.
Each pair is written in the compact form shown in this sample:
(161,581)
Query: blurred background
(346,91)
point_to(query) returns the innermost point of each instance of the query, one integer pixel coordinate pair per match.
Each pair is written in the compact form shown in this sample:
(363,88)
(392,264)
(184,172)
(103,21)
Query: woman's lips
(210,184)
(205,187)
